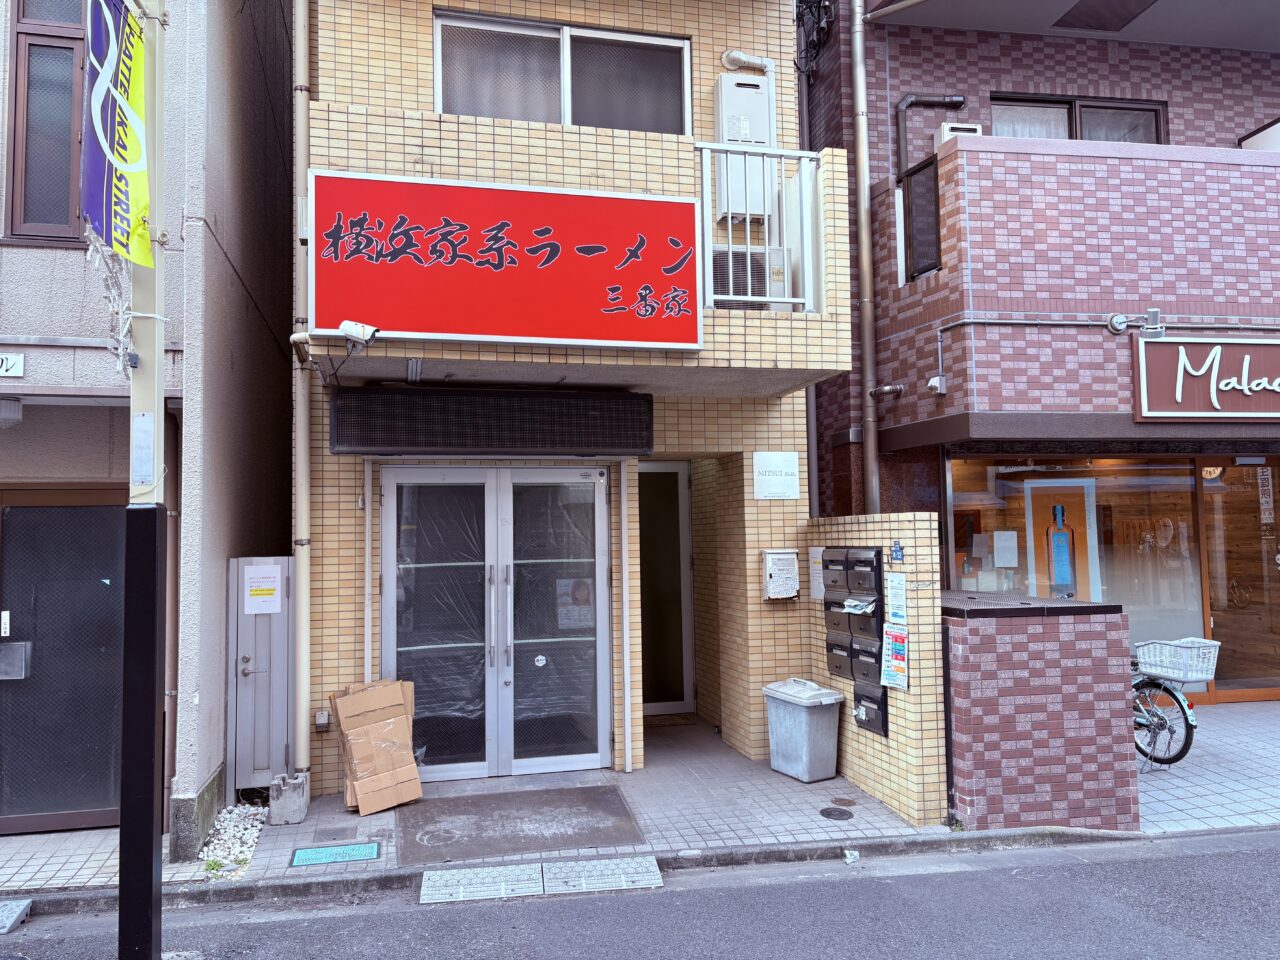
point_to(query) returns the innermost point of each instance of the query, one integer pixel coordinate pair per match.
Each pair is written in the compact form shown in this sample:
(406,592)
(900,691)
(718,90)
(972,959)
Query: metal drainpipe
(866,303)
(624,526)
(301,392)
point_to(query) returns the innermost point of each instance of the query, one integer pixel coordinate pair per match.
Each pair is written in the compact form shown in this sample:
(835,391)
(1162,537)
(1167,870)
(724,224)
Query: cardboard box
(375,736)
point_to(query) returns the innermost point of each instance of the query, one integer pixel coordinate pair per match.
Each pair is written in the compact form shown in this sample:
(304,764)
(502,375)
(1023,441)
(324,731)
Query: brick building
(1074,442)
(594,437)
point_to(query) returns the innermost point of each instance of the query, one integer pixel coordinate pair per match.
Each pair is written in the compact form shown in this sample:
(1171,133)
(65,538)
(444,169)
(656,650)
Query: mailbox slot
(870,707)
(853,610)
(864,658)
(839,661)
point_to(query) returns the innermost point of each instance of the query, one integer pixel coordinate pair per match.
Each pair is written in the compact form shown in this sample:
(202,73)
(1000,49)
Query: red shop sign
(444,260)
(1186,378)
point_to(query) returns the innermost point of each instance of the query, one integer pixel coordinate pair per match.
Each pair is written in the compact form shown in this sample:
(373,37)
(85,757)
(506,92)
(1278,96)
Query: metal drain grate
(481,883)
(342,853)
(615,873)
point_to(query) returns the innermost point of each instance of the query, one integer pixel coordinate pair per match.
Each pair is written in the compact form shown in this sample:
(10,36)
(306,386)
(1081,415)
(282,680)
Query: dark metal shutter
(391,421)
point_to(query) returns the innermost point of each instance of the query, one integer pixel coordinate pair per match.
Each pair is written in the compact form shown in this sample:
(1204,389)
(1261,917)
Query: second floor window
(44,120)
(1066,118)
(550,74)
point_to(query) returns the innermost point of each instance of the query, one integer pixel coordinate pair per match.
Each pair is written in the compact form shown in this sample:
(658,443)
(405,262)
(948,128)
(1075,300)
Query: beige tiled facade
(372,111)
(908,770)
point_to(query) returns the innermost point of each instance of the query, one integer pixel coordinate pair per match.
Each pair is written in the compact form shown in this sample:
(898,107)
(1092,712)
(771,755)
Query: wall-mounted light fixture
(1149,327)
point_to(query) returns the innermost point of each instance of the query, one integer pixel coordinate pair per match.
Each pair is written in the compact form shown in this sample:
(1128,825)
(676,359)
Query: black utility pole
(142,742)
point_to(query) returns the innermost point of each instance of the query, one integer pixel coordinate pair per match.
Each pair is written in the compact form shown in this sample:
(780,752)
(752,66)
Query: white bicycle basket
(1189,660)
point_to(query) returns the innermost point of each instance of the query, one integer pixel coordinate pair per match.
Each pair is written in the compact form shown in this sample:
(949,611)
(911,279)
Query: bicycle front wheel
(1162,730)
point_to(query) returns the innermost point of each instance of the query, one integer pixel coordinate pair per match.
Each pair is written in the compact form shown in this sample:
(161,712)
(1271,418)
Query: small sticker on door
(539,661)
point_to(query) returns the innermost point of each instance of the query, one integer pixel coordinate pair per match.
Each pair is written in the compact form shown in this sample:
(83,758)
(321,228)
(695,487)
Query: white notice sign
(895,598)
(776,476)
(1266,496)
(817,589)
(1006,548)
(781,574)
(262,589)
(142,450)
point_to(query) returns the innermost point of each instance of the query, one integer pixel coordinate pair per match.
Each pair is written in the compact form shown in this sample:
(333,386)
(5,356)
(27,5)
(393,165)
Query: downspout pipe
(866,289)
(301,759)
(947,101)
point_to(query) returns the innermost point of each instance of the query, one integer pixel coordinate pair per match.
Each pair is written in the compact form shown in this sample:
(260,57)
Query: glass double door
(495,607)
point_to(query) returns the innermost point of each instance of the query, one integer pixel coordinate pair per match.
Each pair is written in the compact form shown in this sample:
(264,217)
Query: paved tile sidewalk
(696,793)
(1231,777)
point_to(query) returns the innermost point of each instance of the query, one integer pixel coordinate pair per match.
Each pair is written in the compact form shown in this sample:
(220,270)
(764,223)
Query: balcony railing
(760,228)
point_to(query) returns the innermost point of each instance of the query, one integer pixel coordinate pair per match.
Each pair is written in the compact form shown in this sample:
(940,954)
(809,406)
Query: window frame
(912,269)
(565,34)
(1076,104)
(24,33)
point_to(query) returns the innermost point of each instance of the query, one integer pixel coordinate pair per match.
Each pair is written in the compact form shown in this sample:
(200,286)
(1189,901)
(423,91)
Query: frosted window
(1118,125)
(46,193)
(52,11)
(493,73)
(627,86)
(1031,121)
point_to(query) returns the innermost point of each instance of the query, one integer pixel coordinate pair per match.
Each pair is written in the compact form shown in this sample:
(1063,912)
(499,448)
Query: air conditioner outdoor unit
(949,130)
(767,267)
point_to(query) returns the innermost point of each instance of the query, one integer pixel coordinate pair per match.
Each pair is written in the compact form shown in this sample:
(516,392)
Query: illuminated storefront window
(1106,530)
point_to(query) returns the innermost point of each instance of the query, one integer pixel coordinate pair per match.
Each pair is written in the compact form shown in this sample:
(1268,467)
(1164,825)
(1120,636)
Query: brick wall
(1065,235)
(1042,722)
(1064,238)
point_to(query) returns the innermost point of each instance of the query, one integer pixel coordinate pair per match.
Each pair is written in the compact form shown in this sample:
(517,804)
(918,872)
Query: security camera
(937,385)
(359,335)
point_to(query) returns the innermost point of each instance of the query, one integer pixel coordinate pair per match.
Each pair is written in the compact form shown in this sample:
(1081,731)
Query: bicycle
(1164,720)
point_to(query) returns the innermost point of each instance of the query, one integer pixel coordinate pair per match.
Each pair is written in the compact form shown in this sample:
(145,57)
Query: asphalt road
(1173,899)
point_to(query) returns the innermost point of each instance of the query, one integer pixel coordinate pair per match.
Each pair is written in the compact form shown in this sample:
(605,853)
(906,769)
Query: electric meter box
(746,186)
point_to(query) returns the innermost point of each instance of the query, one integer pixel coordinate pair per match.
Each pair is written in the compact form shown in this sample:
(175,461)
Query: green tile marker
(342,853)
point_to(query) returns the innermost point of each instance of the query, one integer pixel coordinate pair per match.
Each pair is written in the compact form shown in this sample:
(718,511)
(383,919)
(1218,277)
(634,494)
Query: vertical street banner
(115,195)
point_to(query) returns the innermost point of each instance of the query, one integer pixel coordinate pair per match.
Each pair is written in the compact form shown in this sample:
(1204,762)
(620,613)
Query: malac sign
(445,260)
(1190,379)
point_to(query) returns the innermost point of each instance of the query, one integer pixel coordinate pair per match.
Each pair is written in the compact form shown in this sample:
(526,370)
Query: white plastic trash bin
(804,726)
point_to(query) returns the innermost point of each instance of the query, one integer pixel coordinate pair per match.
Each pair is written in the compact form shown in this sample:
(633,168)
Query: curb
(407,878)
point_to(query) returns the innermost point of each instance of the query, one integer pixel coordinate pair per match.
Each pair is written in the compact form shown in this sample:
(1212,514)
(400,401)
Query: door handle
(493,617)
(511,616)
(246,672)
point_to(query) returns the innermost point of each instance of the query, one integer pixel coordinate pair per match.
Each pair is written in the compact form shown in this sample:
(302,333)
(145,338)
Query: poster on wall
(895,598)
(1062,539)
(893,658)
(575,607)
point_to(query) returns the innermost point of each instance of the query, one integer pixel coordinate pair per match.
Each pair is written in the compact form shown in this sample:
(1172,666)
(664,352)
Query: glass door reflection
(1243,564)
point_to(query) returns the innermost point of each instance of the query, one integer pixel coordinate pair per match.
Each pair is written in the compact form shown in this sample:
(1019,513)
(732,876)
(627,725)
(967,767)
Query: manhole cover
(836,813)
(843,801)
